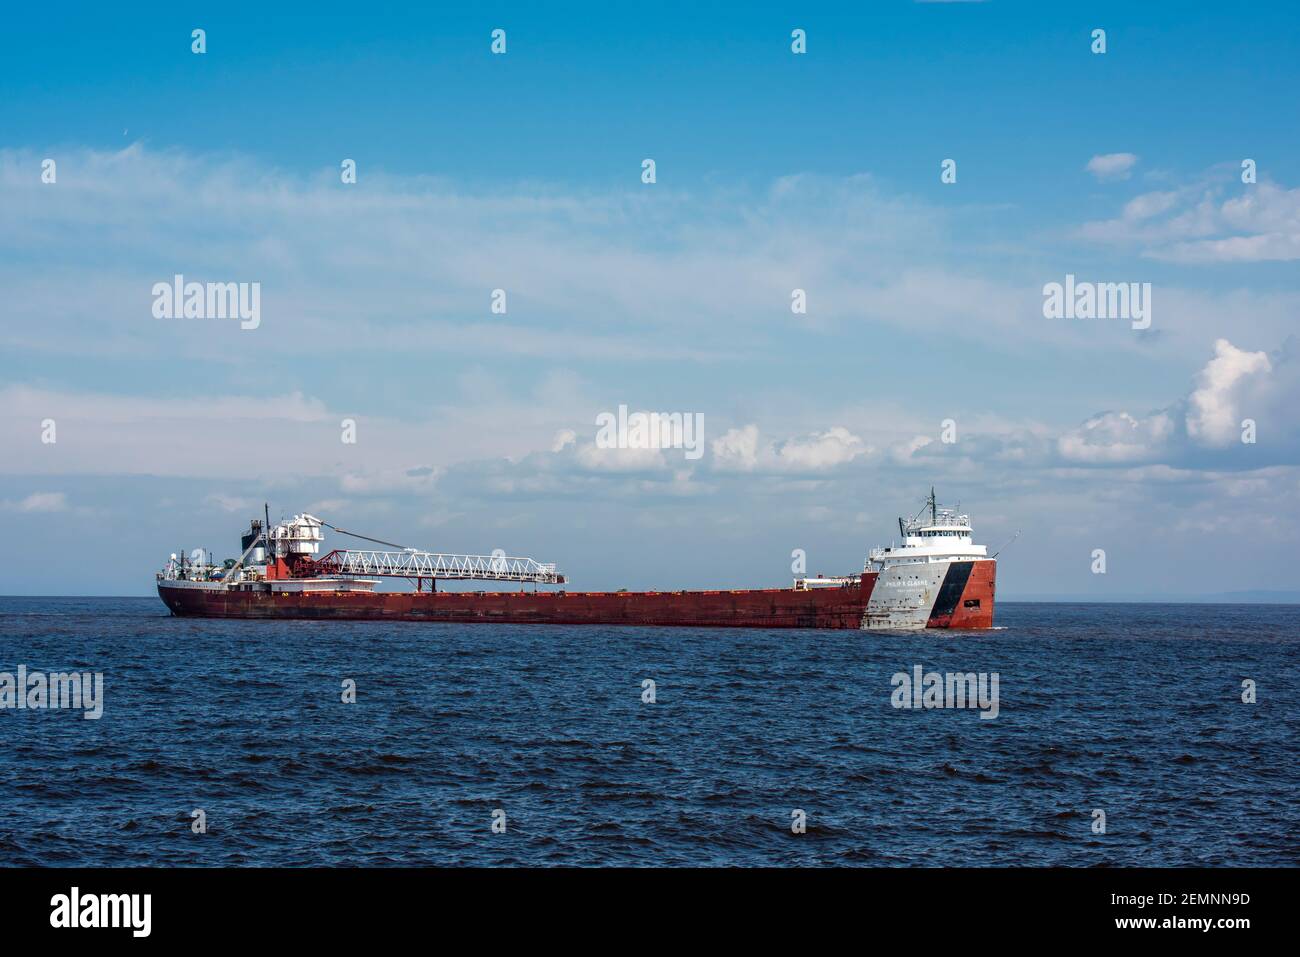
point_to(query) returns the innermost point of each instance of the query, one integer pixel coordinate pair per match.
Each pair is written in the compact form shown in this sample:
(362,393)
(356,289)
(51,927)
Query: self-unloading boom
(437,565)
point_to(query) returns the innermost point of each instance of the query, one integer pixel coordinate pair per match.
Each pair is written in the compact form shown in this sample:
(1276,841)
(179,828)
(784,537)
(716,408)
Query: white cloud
(1207,222)
(737,449)
(1235,384)
(1114,438)
(403,267)
(1148,205)
(595,458)
(1107,166)
(400,271)
(1281,247)
(415,479)
(1217,406)
(39,502)
(821,450)
(743,450)
(406,263)
(290,435)
(905,452)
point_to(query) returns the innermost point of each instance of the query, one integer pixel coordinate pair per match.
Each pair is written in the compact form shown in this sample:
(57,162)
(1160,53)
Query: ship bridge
(942,535)
(945,523)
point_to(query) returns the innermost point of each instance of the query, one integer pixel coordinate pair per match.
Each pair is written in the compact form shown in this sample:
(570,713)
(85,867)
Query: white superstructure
(912,576)
(300,535)
(946,537)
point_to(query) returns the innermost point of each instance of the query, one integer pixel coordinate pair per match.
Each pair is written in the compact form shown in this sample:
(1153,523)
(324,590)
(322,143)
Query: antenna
(934,507)
(918,514)
(1009,541)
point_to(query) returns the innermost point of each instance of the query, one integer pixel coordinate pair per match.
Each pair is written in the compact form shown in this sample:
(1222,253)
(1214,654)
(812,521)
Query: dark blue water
(1132,709)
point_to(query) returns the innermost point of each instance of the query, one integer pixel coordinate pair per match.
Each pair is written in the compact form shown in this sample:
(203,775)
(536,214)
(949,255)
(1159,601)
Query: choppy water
(1132,709)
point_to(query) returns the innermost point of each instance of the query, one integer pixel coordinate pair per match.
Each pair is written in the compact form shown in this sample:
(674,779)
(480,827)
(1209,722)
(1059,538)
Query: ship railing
(417,564)
(172,572)
(942,520)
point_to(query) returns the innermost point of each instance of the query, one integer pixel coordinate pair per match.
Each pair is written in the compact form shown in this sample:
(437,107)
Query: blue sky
(775,171)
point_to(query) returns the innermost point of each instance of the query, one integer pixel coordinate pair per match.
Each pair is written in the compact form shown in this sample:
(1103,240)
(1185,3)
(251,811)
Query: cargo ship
(936,578)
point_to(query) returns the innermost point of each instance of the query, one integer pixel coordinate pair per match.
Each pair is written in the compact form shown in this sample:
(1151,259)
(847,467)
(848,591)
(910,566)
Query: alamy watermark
(922,689)
(37,690)
(179,299)
(1098,300)
(75,909)
(651,430)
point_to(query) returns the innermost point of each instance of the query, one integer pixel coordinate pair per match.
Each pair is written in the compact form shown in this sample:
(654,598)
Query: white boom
(416,564)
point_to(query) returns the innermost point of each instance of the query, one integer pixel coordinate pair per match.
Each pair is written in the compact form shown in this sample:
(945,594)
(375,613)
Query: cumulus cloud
(737,449)
(1117,437)
(1108,166)
(1218,405)
(821,450)
(1234,385)
(743,449)
(613,459)
(906,452)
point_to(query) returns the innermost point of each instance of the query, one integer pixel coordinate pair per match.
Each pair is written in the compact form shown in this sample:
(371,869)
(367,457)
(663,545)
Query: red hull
(826,607)
(974,608)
